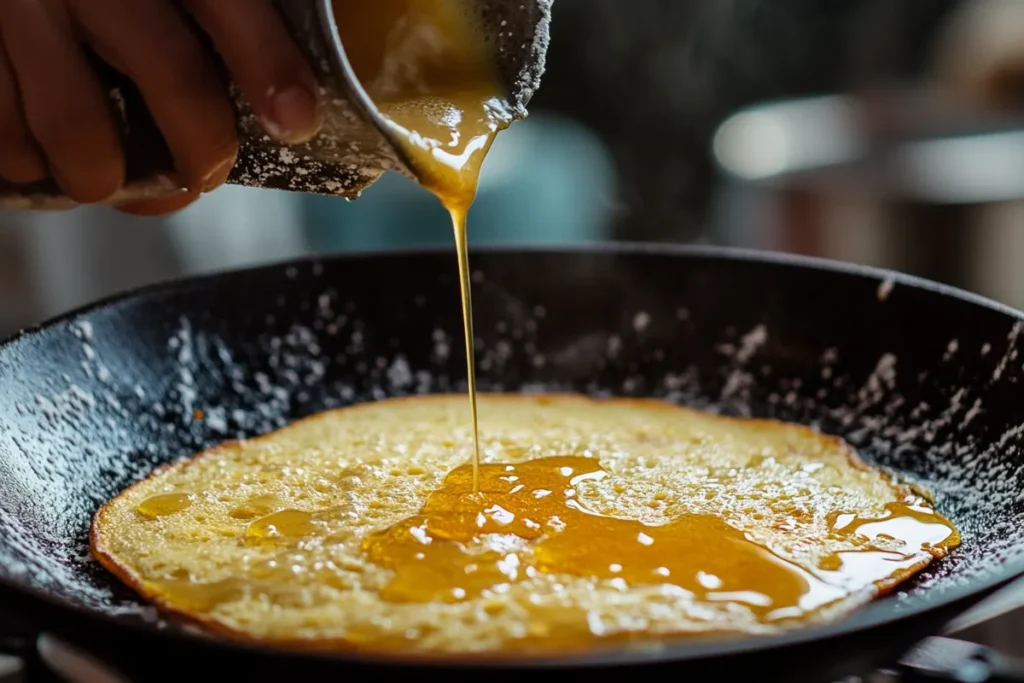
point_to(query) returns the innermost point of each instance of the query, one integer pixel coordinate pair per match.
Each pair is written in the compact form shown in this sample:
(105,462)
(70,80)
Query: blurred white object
(236,227)
(917,180)
(74,257)
(73,665)
(11,670)
(78,256)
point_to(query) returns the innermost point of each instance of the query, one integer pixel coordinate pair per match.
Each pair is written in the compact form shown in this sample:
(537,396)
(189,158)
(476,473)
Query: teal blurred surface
(545,181)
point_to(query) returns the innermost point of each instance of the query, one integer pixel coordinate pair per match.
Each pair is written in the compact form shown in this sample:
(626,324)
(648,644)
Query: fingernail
(296,115)
(160,205)
(75,193)
(219,175)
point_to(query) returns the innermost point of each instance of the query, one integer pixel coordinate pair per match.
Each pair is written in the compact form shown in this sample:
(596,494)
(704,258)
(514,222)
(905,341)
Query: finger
(160,206)
(21,161)
(979,54)
(275,78)
(177,78)
(65,107)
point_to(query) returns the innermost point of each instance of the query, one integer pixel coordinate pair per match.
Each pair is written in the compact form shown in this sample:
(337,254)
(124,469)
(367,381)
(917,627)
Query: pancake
(597,522)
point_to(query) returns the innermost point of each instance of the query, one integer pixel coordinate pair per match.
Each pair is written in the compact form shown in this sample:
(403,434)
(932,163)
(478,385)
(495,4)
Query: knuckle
(20,164)
(20,161)
(87,187)
(65,127)
(84,156)
(186,67)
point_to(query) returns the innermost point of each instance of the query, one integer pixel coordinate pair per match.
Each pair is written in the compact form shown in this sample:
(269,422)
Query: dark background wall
(654,77)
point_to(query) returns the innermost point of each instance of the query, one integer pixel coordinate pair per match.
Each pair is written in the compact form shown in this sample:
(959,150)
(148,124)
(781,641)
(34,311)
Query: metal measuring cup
(352,149)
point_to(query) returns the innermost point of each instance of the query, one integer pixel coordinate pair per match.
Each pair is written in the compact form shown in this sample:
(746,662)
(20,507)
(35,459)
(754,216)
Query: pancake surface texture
(597,522)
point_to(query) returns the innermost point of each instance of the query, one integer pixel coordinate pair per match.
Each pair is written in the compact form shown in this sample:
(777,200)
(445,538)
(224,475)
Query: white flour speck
(750,343)
(885,289)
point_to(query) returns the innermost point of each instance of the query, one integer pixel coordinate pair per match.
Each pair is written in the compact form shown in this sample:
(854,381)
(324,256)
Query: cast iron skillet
(924,379)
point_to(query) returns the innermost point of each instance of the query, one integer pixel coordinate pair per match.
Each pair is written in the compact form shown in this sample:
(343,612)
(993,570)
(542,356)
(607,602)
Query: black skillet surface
(925,380)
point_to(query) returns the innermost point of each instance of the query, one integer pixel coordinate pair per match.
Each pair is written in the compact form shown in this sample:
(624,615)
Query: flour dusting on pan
(315,348)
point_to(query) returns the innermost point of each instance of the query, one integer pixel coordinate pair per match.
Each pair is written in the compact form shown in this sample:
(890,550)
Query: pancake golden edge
(307,537)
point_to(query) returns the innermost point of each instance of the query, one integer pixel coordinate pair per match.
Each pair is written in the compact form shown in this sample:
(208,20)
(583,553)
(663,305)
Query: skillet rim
(871,616)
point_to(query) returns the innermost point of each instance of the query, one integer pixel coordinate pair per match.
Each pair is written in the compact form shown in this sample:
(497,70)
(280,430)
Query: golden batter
(596,522)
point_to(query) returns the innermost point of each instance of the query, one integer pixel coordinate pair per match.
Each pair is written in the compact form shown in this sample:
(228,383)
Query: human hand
(980,54)
(57,121)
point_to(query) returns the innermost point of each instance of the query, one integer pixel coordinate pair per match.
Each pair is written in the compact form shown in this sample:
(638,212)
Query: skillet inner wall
(920,380)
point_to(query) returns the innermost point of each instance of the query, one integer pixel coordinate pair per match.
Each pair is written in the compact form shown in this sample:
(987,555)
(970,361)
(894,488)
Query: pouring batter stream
(426,66)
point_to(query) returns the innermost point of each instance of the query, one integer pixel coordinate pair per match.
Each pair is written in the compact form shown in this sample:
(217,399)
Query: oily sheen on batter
(597,521)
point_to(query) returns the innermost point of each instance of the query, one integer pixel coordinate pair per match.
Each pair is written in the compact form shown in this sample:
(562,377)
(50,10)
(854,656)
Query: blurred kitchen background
(888,132)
